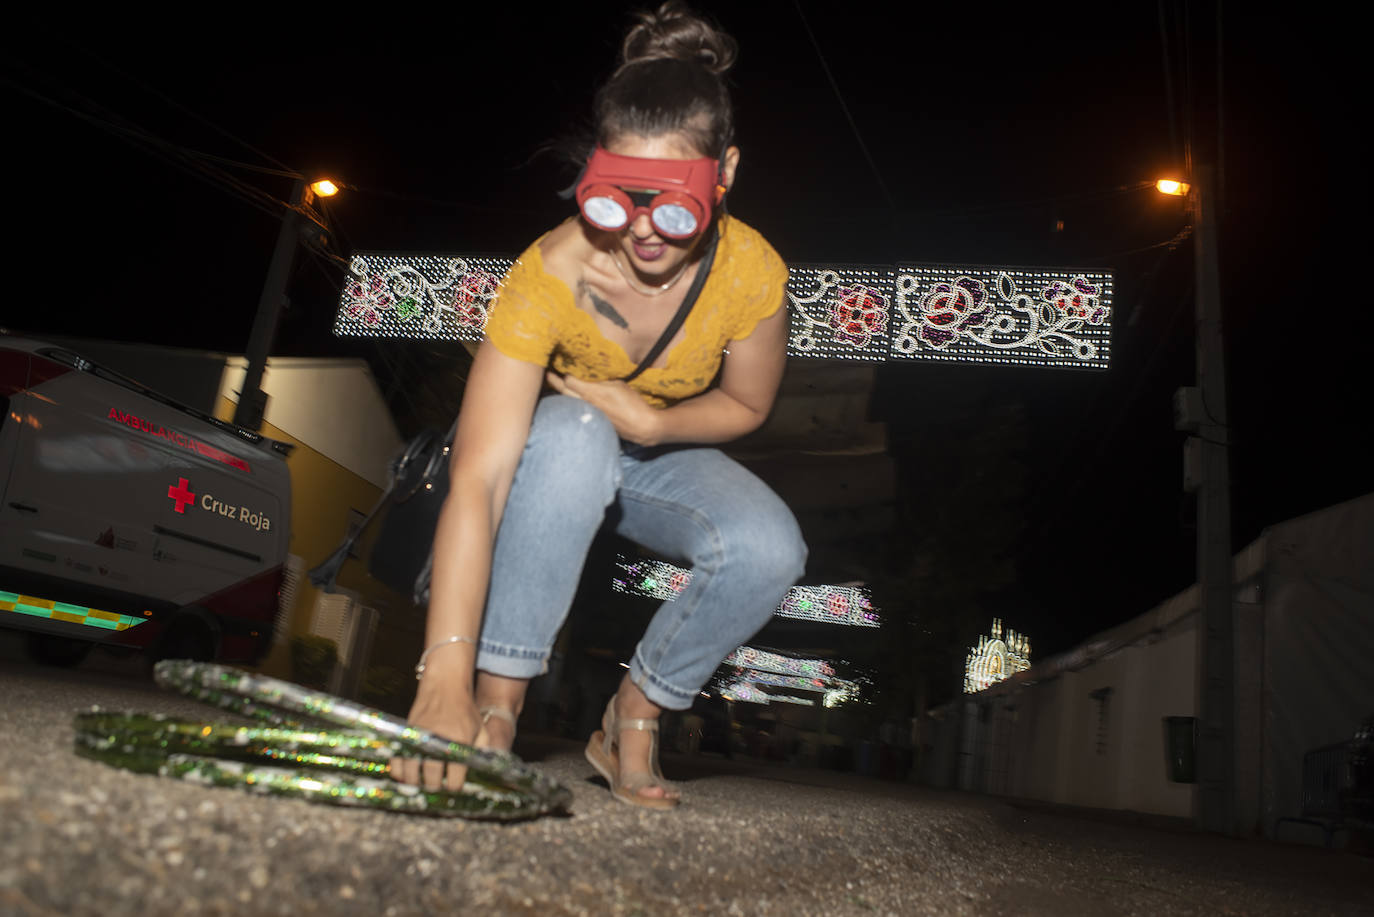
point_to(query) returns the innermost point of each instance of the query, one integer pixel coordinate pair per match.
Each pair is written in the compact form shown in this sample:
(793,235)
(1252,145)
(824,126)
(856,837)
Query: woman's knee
(769,544)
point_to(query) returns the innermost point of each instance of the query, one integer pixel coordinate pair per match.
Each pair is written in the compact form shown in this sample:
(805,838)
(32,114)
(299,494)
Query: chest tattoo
(608,310)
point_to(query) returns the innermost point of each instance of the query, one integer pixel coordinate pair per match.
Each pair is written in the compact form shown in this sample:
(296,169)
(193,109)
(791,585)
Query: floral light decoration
(413,295)
(1076,299)
(840,313)
(857,313)
(366,297)
(951,309)
(472,294)
(866,312)
(962,314)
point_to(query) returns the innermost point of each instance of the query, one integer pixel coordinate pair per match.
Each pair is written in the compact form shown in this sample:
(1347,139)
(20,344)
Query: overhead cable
(873,166)
(174,103)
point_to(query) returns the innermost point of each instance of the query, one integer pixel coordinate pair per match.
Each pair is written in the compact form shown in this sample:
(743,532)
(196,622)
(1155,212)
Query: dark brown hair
(671,78)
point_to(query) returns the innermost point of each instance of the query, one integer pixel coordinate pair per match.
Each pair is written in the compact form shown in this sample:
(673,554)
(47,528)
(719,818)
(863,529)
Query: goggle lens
(604,212)
(674,220)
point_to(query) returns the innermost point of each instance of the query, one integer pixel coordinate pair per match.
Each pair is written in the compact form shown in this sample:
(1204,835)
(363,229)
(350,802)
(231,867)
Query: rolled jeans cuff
(511,661)
(660,693)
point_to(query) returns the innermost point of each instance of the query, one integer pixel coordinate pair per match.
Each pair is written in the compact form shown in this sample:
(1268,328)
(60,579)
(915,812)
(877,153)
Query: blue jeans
(692,505)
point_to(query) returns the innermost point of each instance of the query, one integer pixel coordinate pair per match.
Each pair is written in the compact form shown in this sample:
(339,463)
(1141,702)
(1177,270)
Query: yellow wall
(322,493)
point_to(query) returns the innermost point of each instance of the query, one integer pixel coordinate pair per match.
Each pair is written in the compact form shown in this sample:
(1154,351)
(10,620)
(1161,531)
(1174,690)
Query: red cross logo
(181,494)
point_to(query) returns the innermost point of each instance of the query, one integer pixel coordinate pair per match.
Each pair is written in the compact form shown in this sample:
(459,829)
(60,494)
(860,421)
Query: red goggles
(678,194)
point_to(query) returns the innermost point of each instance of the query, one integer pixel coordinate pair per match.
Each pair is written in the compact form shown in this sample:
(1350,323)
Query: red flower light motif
(471,294)
(1077,299)
(950,308)
(371,290)
(857,313)
(367,296)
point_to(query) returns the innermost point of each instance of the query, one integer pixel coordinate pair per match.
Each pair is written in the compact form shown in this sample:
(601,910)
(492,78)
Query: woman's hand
(633,418)
(444,706)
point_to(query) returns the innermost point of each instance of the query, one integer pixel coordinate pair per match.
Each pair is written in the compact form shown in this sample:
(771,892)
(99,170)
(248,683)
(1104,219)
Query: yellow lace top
(535,319)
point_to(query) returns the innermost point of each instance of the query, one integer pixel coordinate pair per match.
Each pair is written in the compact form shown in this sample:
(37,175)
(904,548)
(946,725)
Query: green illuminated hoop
(290,757)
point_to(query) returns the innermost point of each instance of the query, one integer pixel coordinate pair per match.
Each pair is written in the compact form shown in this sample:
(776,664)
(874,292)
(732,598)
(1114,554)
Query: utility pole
(252,399)
(1215,634)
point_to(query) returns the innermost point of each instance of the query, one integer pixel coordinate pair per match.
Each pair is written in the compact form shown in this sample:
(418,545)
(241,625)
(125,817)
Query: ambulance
(130,520)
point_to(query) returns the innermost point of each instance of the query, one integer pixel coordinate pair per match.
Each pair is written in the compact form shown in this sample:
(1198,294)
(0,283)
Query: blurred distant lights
(657,579)
(1171,186)
(755,668)
(995,658)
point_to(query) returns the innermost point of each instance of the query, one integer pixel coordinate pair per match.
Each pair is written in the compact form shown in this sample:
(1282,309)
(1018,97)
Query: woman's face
(649,253)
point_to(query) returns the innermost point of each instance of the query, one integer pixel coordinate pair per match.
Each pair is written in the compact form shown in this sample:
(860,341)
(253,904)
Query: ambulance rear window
(76,361)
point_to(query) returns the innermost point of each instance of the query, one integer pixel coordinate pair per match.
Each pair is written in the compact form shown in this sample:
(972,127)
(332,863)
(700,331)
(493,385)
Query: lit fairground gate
(1053,318)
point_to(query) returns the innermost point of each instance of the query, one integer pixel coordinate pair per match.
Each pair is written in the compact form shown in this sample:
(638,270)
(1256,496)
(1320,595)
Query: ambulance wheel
(187,638)
(63,652)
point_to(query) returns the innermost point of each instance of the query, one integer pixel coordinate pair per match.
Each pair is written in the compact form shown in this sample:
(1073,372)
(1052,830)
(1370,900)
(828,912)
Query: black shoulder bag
(402,555)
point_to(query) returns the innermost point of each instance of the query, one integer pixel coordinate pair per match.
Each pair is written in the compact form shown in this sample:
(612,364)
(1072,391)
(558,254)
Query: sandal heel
(603,754)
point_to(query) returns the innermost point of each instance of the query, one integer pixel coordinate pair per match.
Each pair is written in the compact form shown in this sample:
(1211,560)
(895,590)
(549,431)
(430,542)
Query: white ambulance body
(129,519)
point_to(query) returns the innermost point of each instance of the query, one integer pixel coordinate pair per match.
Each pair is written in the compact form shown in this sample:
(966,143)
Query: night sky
(986,125)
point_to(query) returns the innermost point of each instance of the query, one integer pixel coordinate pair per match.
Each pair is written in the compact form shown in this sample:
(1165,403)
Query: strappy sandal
(501,713)
(603,752)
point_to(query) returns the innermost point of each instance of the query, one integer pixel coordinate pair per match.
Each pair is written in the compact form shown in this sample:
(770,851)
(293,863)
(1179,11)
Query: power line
(873,166)
(189,161)
(1187,88)
(1030,203)
(1221,122)
(1168,82)
(1179,238)
(175,104)
(439,202)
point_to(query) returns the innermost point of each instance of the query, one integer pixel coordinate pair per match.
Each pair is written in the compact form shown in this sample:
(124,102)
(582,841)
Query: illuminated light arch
(874,313)
(995,658)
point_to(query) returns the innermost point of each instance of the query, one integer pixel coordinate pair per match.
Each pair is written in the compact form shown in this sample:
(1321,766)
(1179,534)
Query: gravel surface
(78,837)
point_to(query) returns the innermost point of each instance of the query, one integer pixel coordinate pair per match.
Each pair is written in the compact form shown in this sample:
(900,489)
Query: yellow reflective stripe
(67,612)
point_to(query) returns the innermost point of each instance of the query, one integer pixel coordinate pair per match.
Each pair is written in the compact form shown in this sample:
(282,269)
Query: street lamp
(1201,410)
(252,399)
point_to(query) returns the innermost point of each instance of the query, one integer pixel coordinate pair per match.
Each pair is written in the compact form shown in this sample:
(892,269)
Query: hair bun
(673,32)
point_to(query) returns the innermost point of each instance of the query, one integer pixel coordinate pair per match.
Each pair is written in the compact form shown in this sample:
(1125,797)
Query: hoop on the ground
(285,755)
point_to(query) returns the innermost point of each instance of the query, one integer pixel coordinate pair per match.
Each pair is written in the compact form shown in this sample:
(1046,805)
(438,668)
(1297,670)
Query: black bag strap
(406,470)
(688,301)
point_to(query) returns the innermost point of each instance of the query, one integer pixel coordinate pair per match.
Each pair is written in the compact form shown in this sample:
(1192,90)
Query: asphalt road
(78,838)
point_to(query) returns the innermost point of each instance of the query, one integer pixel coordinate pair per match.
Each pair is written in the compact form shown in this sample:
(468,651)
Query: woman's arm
(498,405)
(740,404)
